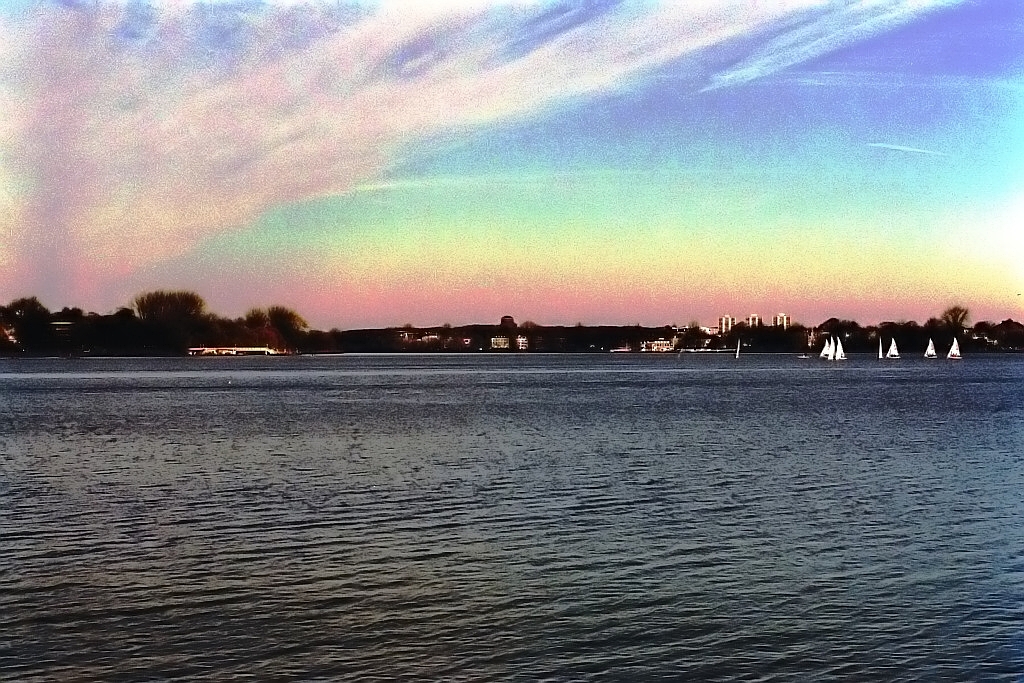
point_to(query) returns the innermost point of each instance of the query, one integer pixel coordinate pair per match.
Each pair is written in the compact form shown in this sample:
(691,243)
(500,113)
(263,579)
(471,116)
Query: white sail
(879,346)
(826,351)
(831,349)
(893,351)
(840,354)
(954,350)
(737,348)
(930,351)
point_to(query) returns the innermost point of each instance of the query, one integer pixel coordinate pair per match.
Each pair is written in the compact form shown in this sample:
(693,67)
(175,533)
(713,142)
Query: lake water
(523,517)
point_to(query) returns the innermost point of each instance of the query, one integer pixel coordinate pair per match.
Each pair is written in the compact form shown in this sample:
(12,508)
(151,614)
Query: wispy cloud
(133,132)
(824,28)
(904,148)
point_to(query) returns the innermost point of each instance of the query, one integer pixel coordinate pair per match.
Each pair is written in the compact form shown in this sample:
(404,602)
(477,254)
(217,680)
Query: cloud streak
(903,148)
(823,30)
(132,133)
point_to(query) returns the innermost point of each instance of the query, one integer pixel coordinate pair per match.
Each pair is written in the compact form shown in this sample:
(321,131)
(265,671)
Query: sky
(594,161)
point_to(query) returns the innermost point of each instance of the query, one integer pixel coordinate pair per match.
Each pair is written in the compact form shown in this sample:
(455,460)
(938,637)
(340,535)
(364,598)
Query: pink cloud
(132,152)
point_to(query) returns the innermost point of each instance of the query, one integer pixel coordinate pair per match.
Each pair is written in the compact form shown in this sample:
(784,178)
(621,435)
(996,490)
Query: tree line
(171,322)
(911,336)
(156,323)
(953,322)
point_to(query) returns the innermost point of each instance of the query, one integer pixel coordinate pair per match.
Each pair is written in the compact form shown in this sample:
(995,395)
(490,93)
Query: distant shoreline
(169,324)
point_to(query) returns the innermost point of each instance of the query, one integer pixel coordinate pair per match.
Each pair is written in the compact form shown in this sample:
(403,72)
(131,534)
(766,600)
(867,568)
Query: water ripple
(485,518)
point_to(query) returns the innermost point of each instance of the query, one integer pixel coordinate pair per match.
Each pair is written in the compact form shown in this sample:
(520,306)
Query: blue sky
(394,162)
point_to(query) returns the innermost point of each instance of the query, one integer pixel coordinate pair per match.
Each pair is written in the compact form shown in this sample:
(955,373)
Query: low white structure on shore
(234,351)
(658,345)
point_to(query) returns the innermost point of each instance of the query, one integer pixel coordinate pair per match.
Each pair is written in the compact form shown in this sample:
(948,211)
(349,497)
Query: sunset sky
(373,164)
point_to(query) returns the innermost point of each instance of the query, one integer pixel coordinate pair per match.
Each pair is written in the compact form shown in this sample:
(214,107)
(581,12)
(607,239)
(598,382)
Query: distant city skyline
(610,162)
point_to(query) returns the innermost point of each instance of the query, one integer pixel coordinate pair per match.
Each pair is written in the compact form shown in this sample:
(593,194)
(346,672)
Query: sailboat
(840,354)
(879,348)
(828,352)
(893,351)
(954,351)
(930,351)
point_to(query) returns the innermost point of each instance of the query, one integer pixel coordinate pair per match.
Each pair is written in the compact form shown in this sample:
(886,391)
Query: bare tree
(955,317)
(169,307)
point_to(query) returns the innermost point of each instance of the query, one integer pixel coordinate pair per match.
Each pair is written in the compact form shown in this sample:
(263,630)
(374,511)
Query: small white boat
(879,347)
(738,348)
(930,351)
(954,351)
(828,352)
(893,352)
(840,354)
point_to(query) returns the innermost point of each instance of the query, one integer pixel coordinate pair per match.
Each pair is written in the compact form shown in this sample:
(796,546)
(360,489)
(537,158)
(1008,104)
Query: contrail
(902,148)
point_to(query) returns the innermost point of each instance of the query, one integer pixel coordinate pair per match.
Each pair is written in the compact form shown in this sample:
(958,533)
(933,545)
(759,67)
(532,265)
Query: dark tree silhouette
(257,319)
(31,322)
(955,317)
(169,307)
(290,325)
(175,320)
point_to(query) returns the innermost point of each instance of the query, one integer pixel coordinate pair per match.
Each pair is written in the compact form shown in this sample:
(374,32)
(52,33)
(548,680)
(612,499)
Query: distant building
(658,345)
(522,343)
(62,329)
(725,324)
(499,343)
(507,321)
(419,337)
(781,320)
(753,320)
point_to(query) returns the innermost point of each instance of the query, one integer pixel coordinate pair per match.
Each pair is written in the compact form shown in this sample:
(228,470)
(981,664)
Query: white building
(725,324)
(522,343)
(658,345)
(781,320)
(499,343)
(753,320)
